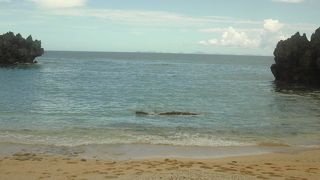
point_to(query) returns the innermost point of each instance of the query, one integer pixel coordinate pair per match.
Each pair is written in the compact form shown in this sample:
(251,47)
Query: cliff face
(297,60)
(15,49)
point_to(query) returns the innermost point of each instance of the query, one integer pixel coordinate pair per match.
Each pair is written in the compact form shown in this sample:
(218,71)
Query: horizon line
(152,52)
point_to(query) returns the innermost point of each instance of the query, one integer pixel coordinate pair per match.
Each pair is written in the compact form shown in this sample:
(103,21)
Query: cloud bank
(232,37)
(272,25)
(59,3)
(246,38)
(288,1)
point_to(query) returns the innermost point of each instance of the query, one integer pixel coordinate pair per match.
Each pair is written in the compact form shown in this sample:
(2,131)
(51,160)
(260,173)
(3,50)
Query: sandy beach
(289,165)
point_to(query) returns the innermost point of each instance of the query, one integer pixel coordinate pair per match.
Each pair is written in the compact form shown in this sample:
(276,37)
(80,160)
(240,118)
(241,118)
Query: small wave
(273,144)
(179,139)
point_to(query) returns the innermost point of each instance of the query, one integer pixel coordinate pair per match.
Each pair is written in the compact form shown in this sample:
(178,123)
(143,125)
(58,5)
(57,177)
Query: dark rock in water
(141,113)
(297,60)
(173,113)
(14,49)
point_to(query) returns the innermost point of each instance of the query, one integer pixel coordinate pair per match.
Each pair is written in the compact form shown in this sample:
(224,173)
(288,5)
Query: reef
(297,60)
(14,49)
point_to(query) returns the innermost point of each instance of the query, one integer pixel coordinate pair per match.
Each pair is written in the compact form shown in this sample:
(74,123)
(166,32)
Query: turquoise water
(87,98)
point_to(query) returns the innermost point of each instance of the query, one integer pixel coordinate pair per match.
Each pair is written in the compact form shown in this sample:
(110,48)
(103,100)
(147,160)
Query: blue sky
(187,26)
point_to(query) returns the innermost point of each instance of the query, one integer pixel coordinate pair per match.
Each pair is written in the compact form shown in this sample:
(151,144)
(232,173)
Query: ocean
(72,99)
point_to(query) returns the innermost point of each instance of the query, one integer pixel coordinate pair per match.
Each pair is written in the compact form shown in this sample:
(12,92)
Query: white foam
(178,139)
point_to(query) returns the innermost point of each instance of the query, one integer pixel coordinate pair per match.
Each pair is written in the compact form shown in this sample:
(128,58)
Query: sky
(246,27)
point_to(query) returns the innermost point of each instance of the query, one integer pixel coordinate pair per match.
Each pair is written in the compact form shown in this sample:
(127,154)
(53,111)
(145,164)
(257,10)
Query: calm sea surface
(84,98)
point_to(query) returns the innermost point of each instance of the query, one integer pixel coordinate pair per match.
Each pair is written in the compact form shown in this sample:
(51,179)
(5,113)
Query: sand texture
(290,166)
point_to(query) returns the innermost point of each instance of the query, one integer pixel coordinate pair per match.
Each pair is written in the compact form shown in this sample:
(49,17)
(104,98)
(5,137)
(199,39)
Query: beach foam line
(111,137)
(273,144)
(139,151)
(178,139)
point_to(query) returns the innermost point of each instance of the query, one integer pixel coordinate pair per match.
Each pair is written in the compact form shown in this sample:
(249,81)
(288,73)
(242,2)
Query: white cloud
(234,38)
(272,25)
(288,1)
(221,30)
(269,39)
(268,35)
(128,16)
(59,3)
(153,18)
(213,30)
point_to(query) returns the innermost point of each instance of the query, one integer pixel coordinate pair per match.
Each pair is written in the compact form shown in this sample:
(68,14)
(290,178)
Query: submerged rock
(14,49)
(172,113)
(297,60)
(141,113)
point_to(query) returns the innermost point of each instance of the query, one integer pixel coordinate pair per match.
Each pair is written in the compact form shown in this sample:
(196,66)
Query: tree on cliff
(297,60)
(15,49)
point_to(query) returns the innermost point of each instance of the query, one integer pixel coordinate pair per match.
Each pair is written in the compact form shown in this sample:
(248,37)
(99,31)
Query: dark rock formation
(141,113)
(172,113)
(14,49)
(297,60)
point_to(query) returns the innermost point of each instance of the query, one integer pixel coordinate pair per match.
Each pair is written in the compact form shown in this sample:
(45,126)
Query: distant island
(14,49)
(297,60)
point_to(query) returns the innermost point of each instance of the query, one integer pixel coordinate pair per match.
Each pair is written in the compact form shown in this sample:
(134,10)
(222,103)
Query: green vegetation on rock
(15,49)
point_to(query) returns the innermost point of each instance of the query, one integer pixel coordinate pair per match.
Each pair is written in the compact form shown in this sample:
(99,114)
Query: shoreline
(302,164)
(147,151)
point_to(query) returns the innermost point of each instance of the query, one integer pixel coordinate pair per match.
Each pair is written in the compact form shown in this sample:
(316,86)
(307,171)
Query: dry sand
(290,165)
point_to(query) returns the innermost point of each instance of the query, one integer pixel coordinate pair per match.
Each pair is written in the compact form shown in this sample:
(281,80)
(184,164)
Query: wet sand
(294,165)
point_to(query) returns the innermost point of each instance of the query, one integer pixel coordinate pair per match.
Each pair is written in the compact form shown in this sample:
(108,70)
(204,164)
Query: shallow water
(82,98)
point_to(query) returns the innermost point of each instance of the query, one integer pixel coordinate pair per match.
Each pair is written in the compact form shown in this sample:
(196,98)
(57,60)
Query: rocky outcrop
(141,113)
(14,49)
(297,60)
(172,113)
